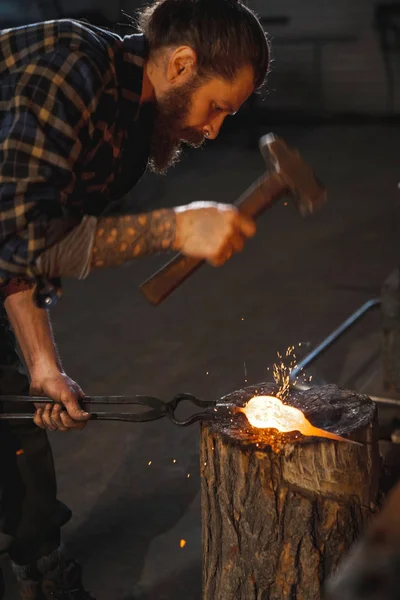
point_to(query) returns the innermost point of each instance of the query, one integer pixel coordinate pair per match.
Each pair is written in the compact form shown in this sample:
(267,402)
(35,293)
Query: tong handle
(143,400)
(94,416)
(156,408)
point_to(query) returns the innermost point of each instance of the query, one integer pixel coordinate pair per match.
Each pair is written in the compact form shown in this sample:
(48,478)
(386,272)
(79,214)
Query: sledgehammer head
(307,192)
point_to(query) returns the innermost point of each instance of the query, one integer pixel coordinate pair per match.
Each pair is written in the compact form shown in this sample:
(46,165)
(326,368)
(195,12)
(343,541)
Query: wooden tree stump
(279,510)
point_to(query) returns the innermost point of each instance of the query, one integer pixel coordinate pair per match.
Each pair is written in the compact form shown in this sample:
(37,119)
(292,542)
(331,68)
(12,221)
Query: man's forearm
(122,238)
(32,329)
(204,230)
(107,242)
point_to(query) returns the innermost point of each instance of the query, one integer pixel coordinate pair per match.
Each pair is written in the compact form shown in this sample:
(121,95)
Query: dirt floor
(295,282)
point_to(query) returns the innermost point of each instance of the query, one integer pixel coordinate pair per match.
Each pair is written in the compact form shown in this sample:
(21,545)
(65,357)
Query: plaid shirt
(69,127)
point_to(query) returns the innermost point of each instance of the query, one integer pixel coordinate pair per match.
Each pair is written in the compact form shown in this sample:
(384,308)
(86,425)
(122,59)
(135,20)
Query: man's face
(186,111)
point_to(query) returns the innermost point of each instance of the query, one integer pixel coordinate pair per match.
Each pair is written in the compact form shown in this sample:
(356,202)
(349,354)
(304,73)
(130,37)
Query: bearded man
(83,114)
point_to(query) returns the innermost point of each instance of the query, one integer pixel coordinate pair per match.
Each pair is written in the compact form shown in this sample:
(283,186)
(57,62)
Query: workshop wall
(21,12)
(354,77)
(351,76)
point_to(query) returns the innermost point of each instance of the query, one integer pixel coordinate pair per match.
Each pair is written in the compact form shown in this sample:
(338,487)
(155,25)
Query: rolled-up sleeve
(45,123)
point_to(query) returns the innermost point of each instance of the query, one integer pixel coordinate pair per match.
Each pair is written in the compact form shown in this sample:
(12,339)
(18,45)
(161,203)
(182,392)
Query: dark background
(334,56)
(334,93)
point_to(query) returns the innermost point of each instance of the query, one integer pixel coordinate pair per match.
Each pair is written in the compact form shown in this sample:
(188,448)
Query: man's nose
(214,127)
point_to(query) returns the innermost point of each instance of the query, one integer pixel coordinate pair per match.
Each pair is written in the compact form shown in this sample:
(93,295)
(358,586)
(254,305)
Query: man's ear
(182,65)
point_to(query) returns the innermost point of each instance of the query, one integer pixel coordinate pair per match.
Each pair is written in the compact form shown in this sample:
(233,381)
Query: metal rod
(328,341)
(146,401)
(383,400)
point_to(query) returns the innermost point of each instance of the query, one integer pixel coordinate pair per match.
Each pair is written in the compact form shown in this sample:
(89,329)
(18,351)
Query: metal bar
(150,415)
(168,410)
(15,417)
(383,400)
(328,341)
(149,401)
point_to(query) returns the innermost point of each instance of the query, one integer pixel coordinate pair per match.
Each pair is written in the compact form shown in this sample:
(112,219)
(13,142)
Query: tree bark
(279,510)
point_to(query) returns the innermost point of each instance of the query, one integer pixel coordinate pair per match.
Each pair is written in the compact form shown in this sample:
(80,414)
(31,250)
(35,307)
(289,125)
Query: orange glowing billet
(268,412)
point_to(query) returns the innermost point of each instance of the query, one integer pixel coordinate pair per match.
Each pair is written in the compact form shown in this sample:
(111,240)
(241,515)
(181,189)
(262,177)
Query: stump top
(328,407)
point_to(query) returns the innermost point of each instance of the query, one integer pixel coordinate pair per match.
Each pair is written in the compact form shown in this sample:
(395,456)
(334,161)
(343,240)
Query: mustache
(192,137)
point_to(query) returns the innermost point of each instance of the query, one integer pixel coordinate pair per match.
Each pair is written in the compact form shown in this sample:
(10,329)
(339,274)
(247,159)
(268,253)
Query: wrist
(180,226)
(44,369)
(44,366)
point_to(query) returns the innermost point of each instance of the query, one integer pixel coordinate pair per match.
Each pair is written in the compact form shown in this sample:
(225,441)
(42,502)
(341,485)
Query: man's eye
(218,108)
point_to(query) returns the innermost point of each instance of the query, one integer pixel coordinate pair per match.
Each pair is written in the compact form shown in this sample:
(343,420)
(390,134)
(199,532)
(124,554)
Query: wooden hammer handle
(260,196)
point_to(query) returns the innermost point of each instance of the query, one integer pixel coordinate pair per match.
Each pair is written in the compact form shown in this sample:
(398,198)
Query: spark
(188,476)
(174,461)
(182,543)
(245,370)
(150,462)
(207,373)
(282,369)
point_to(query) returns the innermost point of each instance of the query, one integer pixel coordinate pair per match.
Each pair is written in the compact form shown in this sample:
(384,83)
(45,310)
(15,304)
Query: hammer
(287,174)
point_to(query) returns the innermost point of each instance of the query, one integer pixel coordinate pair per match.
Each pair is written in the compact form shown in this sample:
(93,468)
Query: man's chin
(163,159)
(160,164)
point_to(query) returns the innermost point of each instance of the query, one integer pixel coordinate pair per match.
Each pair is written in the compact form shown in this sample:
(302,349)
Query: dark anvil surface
(295,282)
(329,407)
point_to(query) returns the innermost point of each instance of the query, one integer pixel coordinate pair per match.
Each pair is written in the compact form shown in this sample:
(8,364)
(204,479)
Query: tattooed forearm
(122,238)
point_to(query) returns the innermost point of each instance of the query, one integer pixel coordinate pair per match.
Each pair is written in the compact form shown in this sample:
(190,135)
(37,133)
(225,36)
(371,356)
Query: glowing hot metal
(268,412)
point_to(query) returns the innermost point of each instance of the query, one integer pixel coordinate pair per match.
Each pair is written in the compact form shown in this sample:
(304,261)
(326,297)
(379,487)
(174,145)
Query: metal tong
(157,409)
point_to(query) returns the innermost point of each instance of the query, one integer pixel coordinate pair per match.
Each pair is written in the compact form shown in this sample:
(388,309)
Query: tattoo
(15,285)
(123,238)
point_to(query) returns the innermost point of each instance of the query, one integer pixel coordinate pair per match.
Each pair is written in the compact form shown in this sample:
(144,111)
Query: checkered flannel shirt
(69,98)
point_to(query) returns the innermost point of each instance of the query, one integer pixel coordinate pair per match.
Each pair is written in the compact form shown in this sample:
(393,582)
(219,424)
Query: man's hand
(211,231)
(33,331)
(59,387)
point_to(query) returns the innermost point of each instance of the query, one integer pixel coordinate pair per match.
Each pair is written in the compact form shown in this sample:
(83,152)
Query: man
(83,113)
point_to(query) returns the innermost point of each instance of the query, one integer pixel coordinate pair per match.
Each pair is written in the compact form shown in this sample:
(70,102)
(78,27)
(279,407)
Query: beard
(170,133)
